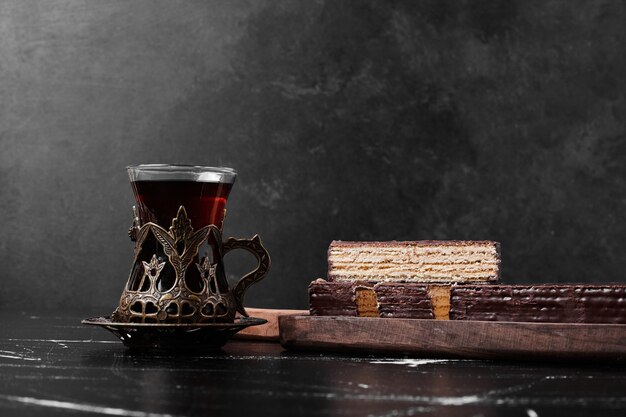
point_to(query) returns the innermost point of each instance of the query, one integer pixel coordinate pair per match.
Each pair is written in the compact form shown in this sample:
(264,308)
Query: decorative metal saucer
(174,336)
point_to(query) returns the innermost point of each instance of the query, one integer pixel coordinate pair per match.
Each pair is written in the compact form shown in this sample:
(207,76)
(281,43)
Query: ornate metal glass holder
(177,296)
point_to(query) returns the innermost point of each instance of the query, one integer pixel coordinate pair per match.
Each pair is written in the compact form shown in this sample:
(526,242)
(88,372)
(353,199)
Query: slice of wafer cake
(427,261)
(548,303)
(366,299)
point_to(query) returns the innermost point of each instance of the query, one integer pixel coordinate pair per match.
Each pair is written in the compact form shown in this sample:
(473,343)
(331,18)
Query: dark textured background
(378,120)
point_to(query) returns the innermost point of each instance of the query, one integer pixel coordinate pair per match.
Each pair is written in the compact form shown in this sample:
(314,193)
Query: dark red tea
(158,201)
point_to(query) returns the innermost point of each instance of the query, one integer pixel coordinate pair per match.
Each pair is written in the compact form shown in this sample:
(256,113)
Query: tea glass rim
(181,172)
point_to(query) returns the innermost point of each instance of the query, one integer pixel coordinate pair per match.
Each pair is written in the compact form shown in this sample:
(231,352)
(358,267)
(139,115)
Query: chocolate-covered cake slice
(332,299)
(425,261)
(558,303)
(385,299)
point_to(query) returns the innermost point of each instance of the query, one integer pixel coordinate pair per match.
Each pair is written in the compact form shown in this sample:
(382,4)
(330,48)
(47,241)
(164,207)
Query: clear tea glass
(178,270)
(161,189)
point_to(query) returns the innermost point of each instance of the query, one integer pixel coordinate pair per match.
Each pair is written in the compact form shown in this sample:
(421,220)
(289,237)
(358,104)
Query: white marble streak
(9,354)
(81,407)
(65,340)
(413,363)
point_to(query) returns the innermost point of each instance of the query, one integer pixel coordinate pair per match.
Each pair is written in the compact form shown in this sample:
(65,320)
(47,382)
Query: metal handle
(134,228)
(255,247)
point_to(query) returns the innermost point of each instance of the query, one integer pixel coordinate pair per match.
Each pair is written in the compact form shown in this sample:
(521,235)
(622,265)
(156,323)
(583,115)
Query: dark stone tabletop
(52,365)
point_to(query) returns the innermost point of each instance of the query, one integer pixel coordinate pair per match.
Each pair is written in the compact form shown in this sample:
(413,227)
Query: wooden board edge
(456,339)
(268,332)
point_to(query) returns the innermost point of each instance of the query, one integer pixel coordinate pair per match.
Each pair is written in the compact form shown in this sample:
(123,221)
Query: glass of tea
(161,189)
(178,270)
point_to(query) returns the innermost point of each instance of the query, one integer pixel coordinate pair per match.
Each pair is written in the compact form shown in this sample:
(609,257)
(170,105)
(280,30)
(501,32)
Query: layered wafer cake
(450,280)
(551,303)
(400,279)
(366,299)
(447,262)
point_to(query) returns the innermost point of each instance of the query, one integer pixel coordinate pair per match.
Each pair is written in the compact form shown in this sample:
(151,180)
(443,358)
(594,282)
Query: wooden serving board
(267,332)
(457,339)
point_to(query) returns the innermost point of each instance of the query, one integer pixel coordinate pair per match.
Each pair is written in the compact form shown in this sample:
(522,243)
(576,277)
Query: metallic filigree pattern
(151,273)
(146,301)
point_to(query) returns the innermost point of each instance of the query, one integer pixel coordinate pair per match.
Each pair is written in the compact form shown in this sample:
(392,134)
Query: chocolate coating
(540,303)
(394,299)
(392,243)
(332,299)
(404,301)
